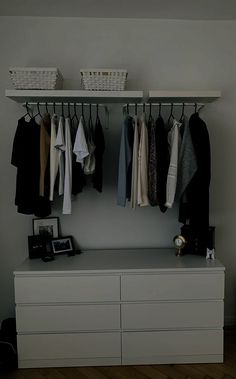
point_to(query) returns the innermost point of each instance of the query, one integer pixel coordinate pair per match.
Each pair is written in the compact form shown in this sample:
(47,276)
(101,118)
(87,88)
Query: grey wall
(158,55)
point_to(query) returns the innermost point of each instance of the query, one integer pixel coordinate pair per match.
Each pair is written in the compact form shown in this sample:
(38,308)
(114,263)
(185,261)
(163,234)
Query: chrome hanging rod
(165,104)
(66,103)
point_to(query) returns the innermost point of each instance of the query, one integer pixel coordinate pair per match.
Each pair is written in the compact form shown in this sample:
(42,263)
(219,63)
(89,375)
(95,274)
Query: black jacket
(194,204)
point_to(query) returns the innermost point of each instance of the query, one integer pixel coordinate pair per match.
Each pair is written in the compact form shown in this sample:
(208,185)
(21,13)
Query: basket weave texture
(36,78)
(104,79)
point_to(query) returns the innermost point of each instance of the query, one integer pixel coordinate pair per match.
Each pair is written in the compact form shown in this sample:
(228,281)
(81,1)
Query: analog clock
(179,242)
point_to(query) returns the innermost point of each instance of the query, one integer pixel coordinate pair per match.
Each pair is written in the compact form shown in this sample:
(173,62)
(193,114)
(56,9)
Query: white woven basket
(36,77)
(103,79)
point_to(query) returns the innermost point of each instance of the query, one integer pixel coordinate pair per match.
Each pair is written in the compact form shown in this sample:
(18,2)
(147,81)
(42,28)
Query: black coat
(194,204)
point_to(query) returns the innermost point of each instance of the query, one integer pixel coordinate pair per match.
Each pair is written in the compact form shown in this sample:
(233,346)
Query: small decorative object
(103,79)
(46,227)
(63,245)
(39,246)
(210,254)
(179,242)
(36,77)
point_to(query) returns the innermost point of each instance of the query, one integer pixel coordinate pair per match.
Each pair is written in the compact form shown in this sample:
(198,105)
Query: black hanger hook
(46,105)
(136,109)
(150,111)
(159,114)
(54,108)
(182,114)
(127,108)
(62,109)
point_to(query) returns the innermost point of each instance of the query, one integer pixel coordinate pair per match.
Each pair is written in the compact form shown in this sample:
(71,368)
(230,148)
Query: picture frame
(46,227)
(62,245)
(39,246)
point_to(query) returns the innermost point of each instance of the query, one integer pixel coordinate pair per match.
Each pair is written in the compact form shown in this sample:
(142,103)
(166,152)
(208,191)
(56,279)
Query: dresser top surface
(118,261)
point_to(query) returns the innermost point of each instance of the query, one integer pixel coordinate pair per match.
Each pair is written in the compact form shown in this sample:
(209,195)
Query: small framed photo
(39,246)
(63,245)
(46,227)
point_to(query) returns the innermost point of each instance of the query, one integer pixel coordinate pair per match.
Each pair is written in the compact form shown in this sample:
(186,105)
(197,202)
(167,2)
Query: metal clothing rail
(198,106)
(66,103)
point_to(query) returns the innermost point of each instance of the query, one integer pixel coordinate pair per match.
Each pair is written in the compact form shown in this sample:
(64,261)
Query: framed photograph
(46,227)
(63,245)
(39,246)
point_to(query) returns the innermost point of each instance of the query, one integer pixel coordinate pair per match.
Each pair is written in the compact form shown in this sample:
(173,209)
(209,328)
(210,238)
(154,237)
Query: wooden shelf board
(22,96)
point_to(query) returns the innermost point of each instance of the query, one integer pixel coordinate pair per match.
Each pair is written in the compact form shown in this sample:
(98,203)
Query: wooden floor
(227,370)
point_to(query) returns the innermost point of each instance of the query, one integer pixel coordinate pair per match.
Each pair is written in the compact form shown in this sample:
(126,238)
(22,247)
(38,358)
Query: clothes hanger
(46,106)
(159,113)
(150,112)
(182,114)
(62,109)
(28,111)
(127,109)
(97,115)
(68,109)
(136,109)
(38,113)
(75,114)
(90,123)
(171,116)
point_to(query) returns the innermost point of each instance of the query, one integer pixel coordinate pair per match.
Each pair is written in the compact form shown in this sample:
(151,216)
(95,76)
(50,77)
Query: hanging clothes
(152,164)
(125,162)
(26,158)
(60,145)
(78,177)
(187,161)
(66,209)
(44,181)
(194,207)
(89,161)
(80,147)
(134,177)
(174,141)
(143,164)
(163,161)
(99,142)
(54,155)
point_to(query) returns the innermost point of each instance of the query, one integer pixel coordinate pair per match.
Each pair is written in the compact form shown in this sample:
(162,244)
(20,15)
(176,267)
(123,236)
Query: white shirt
(66,209)
(54,156)
(80,148)
(173,139)
(60,145)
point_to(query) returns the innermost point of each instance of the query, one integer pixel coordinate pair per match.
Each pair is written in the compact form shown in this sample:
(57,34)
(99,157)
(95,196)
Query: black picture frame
(62,245)
(39,246)
(48,227)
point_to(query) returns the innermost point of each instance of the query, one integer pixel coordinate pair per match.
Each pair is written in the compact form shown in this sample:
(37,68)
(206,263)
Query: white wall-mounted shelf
(183,96)
(22,96)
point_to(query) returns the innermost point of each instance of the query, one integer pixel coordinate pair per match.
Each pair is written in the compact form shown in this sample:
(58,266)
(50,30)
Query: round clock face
(179,241)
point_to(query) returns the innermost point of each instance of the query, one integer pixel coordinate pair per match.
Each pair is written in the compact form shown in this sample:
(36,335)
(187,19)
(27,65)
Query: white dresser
(114,307)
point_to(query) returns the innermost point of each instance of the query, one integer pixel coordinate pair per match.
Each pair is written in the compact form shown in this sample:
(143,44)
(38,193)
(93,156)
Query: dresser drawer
(172,346)
(58,318)
(180,286)
(44,289)
(68,346)
(173,315)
